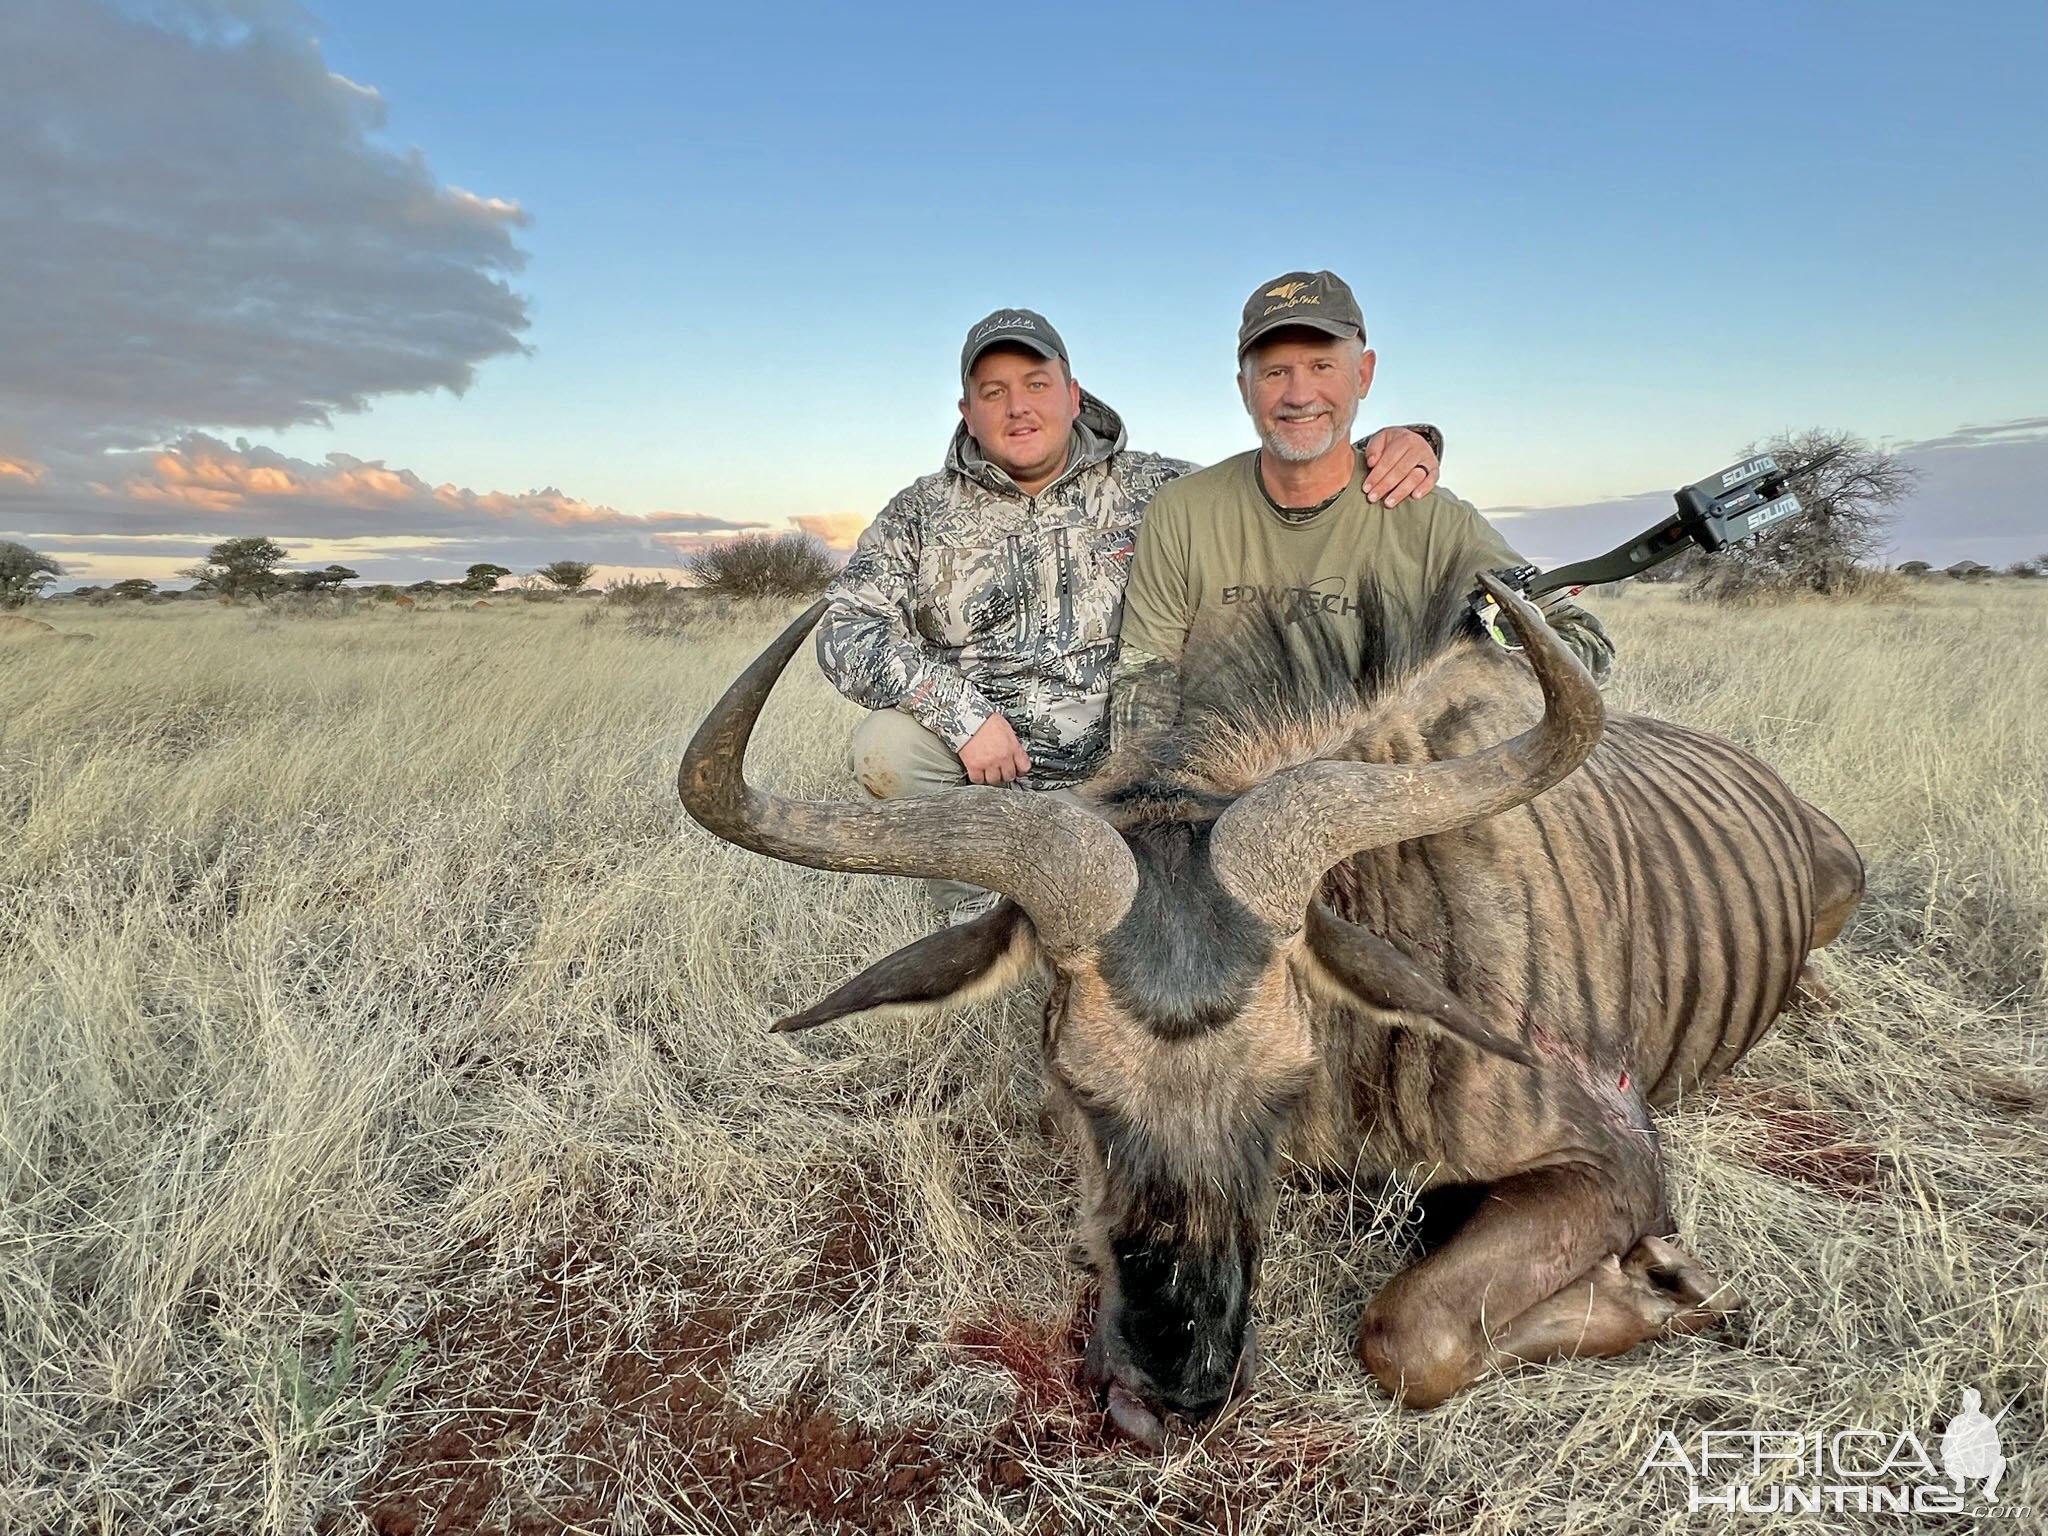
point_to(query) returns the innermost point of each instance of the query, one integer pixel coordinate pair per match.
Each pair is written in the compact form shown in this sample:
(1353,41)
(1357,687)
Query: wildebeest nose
(1207,1398)
(1147,1422)
(1199,1412)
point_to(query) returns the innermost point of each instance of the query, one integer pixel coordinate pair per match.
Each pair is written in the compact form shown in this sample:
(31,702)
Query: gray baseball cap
(1014,327)
(1319,301)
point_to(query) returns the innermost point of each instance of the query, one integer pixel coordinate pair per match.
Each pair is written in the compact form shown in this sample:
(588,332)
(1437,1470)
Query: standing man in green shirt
(1288,526)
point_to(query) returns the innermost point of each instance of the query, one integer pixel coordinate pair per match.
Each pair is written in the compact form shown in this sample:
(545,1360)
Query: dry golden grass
(365,985)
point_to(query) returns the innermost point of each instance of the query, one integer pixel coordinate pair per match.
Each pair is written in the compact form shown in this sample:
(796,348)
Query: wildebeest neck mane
(1282,686)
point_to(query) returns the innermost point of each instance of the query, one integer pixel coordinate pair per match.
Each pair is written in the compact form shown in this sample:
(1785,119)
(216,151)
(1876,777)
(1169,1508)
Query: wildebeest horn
(1272,848)
(1069,869)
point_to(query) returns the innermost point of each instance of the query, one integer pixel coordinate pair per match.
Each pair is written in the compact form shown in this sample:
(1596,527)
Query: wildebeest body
(1361,923)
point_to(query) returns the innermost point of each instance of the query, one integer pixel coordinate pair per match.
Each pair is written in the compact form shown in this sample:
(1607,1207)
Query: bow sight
(1741,500)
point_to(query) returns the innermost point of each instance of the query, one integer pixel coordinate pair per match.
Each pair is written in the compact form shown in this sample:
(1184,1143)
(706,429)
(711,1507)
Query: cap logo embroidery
(1285,290)
(1005,323)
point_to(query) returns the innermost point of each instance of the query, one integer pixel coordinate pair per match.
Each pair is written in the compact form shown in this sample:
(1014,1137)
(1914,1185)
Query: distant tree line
(1976,570)
(250,568)
(1849,502)
(749,565)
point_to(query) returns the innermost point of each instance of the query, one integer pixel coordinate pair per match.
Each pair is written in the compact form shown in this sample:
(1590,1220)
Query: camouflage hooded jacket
(967,598)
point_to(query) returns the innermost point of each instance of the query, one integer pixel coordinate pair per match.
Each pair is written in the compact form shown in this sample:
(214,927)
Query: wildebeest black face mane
(1186,956)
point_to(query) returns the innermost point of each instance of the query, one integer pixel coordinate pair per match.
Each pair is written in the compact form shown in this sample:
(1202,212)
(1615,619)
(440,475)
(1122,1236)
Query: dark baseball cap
(1012,327)
(1320,301)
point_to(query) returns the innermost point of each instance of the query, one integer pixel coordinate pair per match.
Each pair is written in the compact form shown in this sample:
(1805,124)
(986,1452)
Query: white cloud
(200,230)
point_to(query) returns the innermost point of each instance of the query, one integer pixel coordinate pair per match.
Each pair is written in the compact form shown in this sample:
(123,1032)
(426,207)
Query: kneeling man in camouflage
(977,618)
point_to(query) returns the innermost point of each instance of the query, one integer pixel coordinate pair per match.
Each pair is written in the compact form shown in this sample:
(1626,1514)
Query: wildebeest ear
(1362,964)
(954,966)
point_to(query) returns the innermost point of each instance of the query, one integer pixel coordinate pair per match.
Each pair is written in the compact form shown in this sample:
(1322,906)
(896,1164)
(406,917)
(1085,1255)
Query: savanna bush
(635,592)
(312,605)
(763,565)
(1742,585)
(684,609)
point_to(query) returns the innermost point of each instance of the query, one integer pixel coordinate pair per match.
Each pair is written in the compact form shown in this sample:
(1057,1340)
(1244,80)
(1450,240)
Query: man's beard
(1299,451)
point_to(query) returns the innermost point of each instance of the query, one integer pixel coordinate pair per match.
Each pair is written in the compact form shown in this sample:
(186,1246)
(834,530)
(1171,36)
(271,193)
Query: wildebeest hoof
(1812,989)
(1674,1288)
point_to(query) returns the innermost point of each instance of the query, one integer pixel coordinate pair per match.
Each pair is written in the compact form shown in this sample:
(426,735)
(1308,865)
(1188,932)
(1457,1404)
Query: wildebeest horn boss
(1420,916)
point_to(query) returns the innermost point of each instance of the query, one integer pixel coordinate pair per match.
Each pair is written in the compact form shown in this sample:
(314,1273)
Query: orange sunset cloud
(834,530)
(203,473)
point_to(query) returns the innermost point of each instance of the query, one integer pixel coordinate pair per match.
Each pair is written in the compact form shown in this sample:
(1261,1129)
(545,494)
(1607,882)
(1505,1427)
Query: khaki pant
(894,758)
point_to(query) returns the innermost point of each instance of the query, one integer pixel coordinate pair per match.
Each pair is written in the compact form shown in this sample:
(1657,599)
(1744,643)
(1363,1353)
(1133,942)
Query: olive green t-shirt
(1214,548)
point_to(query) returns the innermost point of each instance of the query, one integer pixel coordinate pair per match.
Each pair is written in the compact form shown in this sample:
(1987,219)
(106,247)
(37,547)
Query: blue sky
(1602,251)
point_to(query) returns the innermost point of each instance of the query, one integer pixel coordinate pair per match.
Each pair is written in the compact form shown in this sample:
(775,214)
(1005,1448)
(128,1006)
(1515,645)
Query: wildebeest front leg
(1535,1273)
(1656,1290)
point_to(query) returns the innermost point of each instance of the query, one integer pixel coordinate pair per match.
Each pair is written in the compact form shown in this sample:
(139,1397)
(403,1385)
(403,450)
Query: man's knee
(893,757)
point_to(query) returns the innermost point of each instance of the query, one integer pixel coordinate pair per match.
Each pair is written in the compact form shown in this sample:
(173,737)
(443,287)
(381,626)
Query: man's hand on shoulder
(1399,463)
(993,755)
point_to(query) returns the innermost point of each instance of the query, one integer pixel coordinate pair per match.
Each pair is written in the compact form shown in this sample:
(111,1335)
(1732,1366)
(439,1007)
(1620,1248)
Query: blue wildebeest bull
(1343,922)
